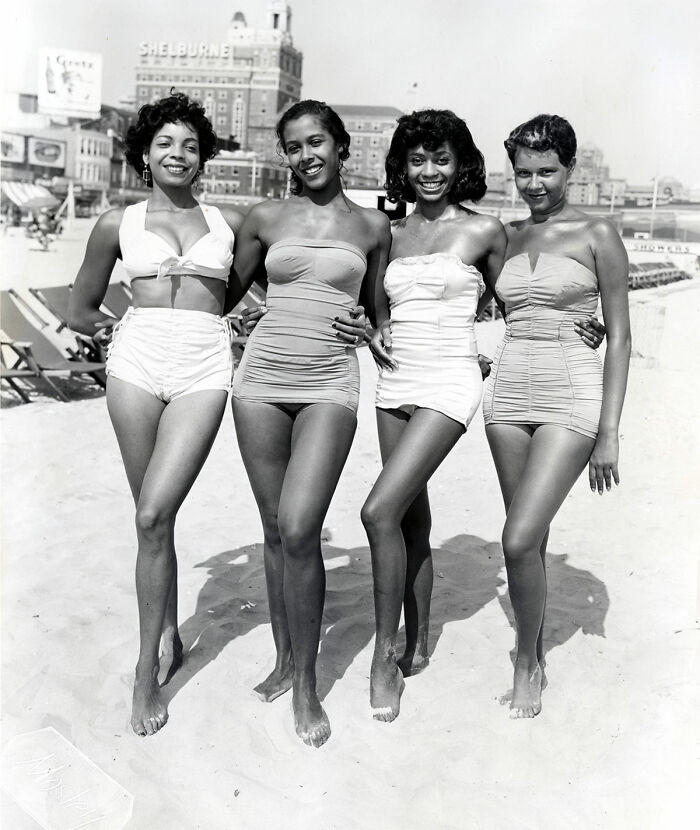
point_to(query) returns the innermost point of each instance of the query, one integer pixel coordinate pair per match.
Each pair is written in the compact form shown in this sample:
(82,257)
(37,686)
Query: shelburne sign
(163,49)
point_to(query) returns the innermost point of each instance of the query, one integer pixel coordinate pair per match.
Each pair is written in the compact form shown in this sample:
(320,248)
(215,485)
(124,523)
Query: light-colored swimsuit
(543,373)
(170,352)
(293,354)
(433,299)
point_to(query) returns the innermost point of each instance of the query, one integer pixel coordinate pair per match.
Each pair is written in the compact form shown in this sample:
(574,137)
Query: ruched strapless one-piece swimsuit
(433,300)
(293,355)
(543,373)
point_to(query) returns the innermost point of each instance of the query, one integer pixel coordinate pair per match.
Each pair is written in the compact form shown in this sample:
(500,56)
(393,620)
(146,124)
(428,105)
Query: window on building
(222,94)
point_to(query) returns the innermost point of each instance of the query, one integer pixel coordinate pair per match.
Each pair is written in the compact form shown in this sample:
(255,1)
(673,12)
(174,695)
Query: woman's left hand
(591,331)
(484,365)
(602,467)
(351,328)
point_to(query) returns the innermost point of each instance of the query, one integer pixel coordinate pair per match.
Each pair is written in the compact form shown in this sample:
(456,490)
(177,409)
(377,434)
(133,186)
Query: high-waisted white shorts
(171,352)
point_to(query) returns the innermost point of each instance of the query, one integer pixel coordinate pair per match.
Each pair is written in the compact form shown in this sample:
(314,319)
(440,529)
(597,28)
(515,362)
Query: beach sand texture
(614,747)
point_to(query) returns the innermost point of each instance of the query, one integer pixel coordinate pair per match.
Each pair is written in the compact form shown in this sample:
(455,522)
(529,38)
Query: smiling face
(541,178)
(312,152)
(173,155)
(432,173)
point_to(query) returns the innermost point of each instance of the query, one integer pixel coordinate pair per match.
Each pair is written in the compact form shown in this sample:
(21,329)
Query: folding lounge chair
(54,299)
(37,352)
(117,299)
(10,374)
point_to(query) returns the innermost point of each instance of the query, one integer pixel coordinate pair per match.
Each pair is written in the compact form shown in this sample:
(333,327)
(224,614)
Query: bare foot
(527,689)
(310,720)
(148,712)
(411,665)
(507,697)
(386,685)
(170,656)
(276,683)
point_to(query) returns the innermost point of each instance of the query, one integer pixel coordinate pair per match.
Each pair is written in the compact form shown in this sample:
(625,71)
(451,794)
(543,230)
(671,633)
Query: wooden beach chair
(36,353)
(18,369)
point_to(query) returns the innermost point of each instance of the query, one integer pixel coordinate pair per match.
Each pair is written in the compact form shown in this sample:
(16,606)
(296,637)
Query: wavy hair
(175,108)
(329,119)
(543,133)
(430,128)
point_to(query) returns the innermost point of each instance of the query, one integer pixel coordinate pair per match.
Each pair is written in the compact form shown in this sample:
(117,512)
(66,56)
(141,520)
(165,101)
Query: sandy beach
(614,747)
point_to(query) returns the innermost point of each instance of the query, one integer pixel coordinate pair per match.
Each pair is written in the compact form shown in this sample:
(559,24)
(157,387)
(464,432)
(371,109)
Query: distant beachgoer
(550,408)
(169,363)
(296,390)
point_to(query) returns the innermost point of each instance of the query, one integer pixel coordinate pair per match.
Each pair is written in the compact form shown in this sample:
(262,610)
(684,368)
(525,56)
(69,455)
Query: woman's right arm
(248,256)
(102,252)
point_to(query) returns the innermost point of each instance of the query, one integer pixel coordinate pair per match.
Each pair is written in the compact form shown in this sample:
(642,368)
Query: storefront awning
(29,196)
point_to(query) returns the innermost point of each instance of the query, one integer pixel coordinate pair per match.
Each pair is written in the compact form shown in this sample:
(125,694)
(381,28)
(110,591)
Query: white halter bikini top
(146,254)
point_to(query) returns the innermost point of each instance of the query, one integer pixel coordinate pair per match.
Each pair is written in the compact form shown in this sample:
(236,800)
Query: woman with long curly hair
(169,365)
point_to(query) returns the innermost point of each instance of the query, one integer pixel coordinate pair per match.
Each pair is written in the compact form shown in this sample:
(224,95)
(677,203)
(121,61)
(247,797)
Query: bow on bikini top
(146,254)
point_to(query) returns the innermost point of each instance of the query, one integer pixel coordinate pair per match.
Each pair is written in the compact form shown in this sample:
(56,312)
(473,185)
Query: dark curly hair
(177,107)
(543,133)
(331,122)
(430,128)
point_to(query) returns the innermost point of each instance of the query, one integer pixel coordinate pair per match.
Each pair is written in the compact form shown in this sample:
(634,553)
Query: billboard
(46,152)
(70,83)
(12,146)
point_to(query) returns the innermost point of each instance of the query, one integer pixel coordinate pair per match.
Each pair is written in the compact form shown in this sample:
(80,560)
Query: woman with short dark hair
(550,408)
(169,363)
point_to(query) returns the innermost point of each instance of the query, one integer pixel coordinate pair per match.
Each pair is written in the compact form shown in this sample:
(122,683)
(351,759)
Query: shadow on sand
(233,601)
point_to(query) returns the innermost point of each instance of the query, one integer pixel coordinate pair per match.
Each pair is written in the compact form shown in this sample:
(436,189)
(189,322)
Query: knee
(299,541)
(153,522)
(518,545)
(271,532)
(375,516)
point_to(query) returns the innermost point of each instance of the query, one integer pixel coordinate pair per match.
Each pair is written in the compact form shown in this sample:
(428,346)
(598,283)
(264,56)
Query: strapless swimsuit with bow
(171,352)
(543,373)
(293,355)
(433,301)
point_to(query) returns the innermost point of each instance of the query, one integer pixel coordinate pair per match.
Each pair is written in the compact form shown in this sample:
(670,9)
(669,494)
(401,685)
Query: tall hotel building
(244,81)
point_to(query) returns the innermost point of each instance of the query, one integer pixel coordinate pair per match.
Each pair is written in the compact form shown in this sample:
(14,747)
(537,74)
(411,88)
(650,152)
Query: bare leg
(554,459)
(415,529)
(185,432)
(136,445)
(423,443)
(321,436)
(264,434)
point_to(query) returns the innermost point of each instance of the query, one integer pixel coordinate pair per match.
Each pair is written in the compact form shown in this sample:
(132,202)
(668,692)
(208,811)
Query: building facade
(243,81)
(240,178)
(371,129)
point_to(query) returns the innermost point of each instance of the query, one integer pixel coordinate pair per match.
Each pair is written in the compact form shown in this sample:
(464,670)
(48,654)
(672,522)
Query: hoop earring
(146,174)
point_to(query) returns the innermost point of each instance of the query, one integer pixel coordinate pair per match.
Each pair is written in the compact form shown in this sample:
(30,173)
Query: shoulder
(605,241)
(486,228)
(233,218)
(265,211)
(377,223)
(108,224)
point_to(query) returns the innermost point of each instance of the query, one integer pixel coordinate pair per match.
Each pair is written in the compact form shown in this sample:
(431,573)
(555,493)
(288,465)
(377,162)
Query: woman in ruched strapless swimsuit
(430,392)
(295,392)
(550,408)
(169,363)
(293,355)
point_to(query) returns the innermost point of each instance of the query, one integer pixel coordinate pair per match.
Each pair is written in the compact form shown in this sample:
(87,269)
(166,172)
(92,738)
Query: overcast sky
(626,73)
